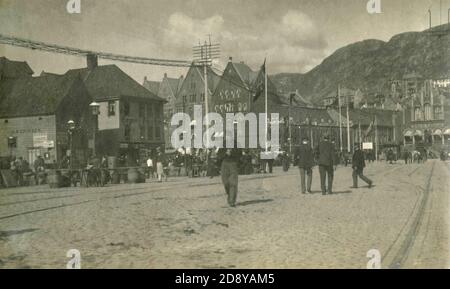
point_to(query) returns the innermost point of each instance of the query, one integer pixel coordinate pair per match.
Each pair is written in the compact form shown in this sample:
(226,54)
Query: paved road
(185,223)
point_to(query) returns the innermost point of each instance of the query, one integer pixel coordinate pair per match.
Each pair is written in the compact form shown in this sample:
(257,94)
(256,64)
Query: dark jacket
(325,154)
(235,156)
(304,156)
(358,160)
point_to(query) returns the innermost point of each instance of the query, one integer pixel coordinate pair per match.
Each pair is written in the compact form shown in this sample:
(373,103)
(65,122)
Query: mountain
(369,65)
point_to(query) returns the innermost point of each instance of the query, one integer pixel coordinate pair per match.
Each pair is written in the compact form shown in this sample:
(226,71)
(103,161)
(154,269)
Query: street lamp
(71,129)
(95,109)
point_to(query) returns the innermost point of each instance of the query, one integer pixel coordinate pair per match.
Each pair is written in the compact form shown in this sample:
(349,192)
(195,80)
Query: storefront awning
(418,133)
(447,131)
(409,133)
(437,132)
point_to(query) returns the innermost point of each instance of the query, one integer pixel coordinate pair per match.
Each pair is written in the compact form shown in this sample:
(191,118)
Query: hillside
(370,64)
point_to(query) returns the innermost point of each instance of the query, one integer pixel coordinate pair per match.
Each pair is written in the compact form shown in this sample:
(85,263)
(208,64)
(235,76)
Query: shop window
(111,108)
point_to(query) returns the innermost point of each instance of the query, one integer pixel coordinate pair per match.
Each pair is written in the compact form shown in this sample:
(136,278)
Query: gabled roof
(10,69)
(152,86)
(174,84)
(109,81)
(213,78)
(32,96)
(247,75)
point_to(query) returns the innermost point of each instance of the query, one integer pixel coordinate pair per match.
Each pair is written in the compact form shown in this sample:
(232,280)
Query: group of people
(325,156)
(158,166)
(305,158)
(21,169)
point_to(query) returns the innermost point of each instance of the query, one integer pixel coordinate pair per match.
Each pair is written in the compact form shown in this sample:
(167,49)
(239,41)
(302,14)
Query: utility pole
(266,108)
(203,57)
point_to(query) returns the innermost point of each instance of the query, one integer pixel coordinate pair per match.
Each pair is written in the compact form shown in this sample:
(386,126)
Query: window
(127,132)
(202,97)
(184,99)
(111,108)
(427,111)
(438,112)
(126,108)
(418,114)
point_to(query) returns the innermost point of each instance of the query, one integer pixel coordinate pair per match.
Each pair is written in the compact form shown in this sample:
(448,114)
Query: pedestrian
(160,159)
(326,161)
(229,165)
(358,165)
(150,170)
(304,158)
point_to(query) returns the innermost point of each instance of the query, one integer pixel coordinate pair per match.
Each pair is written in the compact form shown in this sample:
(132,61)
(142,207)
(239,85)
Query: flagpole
(348,125)
(340,116)
(266,110)
(376,137)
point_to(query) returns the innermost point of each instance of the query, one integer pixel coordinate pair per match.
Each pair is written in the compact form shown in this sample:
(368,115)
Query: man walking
(325,155)
(304,158)
(229,159)
(358,165)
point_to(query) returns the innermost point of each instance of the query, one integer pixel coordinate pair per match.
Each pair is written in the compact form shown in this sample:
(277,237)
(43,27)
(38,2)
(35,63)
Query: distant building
(131,117)
(34,112)
(424,105)
(10,69)
(192,90)
(168,90)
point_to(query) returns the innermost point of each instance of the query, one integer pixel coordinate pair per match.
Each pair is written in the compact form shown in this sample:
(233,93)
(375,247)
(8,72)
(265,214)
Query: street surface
(185,223)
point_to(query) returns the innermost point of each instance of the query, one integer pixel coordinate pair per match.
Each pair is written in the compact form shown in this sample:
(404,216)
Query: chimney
(145,79)
(181,77)
(92,61)
(230,59)
(165,75)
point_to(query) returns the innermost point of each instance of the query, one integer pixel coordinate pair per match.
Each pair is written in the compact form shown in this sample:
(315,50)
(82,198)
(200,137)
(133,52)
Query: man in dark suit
(304,158)
(358,165)
(326,161)
(229,166)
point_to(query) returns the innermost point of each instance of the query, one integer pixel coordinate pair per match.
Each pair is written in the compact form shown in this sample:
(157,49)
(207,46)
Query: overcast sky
(294,35)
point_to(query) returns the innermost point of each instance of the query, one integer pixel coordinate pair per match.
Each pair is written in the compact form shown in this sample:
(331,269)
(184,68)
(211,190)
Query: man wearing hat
(326,160)
(358,165)
(304,158)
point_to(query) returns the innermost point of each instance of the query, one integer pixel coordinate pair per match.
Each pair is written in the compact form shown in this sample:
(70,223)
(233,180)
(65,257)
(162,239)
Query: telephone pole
(203,57)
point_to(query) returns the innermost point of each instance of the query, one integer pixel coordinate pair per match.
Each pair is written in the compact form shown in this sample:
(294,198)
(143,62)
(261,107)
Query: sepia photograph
(225,134)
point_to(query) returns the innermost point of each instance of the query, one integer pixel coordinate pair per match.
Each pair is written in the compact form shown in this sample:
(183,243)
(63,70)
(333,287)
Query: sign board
(367,146)
(39,139)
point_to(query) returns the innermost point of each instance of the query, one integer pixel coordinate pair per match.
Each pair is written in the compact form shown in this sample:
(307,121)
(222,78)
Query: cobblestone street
(185,223)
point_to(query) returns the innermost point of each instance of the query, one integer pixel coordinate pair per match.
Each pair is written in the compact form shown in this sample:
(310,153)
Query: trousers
(306,173)
(326,173)
(229,173)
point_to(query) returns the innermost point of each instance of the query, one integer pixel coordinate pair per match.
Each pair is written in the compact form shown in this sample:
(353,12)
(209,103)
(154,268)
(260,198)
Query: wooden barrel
(133,175)
(54,179)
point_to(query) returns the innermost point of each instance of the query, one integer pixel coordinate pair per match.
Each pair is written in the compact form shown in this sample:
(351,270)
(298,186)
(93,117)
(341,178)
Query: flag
(370,128)
(260,82)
